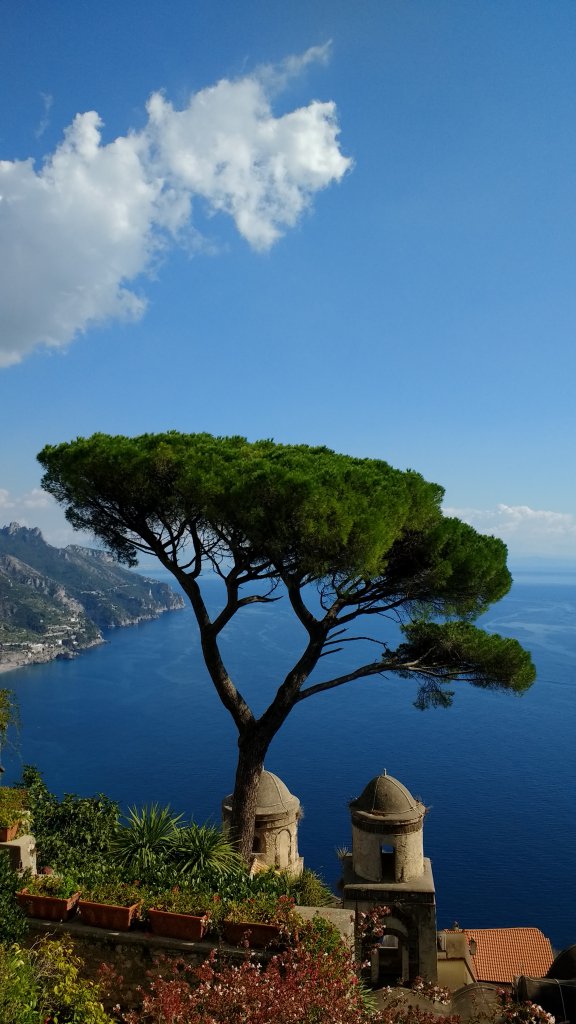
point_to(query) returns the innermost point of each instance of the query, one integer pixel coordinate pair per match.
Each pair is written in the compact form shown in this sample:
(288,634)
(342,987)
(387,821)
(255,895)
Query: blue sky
(328,222)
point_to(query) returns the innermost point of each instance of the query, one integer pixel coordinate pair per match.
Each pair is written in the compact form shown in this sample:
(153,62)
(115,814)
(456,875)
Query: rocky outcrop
(55,602)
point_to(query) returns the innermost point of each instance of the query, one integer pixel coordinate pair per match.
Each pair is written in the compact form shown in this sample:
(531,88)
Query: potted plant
(13,811)
(180,913)
(112,905)
(50,897)
(259,921)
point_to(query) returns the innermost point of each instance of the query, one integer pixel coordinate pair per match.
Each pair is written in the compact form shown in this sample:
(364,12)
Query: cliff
(55,602)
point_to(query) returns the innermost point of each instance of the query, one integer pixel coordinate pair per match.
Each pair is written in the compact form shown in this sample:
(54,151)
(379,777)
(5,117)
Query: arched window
(388,862)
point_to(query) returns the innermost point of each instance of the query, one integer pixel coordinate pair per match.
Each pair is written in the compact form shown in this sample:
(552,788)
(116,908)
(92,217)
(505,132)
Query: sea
(137,718)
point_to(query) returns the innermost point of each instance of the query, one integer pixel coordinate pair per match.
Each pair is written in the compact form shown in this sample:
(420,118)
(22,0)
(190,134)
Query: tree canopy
(342,538)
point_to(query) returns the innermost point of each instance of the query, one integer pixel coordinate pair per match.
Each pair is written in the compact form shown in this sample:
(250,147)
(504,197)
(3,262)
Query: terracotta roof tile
(503,953)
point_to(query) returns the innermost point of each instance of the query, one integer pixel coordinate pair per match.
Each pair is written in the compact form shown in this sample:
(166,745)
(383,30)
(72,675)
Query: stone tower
(276,825)
(387,867)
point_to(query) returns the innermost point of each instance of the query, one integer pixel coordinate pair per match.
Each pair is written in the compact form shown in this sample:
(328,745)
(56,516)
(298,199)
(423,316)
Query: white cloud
(76,234)
(35,498)
(275,77)
(47,102)
(524,529)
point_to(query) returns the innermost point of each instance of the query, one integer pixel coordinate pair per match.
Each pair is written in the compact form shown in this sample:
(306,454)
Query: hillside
(55,602)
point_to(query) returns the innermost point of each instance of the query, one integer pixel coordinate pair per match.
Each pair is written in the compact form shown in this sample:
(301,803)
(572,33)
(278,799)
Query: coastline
(25,658)
(10,662)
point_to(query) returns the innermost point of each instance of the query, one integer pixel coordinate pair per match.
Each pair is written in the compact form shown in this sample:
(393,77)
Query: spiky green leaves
(154,846)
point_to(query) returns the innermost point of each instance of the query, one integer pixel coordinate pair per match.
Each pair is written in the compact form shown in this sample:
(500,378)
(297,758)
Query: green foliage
(19,996)
(263,909)
(457,650)
(8,712)
(43,985)
(115,894)
(204,852)
(308,505)
(309,890)
(320,936)
(272,519)
(62,886)
(73,834)
(9,717)
(13,805)
(64,995)
(13,925)
(183,900)
(373,537)
(144,849)
(154,848)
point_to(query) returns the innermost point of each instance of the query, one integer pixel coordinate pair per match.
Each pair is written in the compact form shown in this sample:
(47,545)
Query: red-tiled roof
(503,953)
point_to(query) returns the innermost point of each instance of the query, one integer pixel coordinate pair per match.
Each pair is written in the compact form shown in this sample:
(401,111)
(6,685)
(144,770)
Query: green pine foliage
(344,539)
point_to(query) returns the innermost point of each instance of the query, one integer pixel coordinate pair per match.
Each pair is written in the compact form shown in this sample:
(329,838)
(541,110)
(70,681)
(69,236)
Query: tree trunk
(252,750)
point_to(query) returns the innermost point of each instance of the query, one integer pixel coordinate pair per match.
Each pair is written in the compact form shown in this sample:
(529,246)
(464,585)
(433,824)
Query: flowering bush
(370,924)
(297,985)
(523,1013)
(428,989)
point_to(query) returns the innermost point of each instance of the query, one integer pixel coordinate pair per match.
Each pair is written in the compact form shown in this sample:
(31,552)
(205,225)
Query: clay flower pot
(188,927)
(9,832)
(48,908)
(107,915)
(255,933)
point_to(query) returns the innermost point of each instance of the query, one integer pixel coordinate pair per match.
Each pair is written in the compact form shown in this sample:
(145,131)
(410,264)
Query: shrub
(183,901)
(9,717)
(310,891)
(42,985)
(18,988)
(13,805)
(296,986)
(116,894)
(262,908)
(320,936)
(73,834)
(13,924)
(204,851)
(144,847)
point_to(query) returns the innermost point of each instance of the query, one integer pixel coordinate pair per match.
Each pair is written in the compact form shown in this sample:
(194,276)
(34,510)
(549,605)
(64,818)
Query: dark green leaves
(372,537)
(441,652)
(308,510)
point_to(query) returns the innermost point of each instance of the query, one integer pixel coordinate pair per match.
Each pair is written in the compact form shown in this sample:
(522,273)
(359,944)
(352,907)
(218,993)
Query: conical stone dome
(386,801)
(274,797)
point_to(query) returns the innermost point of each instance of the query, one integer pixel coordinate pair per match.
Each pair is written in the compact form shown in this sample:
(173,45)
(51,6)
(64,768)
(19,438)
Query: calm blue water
(138,719)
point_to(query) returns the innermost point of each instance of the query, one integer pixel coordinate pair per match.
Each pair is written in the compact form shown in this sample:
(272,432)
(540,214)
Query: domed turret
(387,868)
(386,798)
(387,832)
(274,798)
(276,824)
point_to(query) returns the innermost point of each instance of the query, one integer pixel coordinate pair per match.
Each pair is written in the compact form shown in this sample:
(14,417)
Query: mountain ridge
(55,602)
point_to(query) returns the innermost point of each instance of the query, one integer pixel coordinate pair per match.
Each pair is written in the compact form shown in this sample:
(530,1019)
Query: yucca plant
(204,852)
(144,848)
